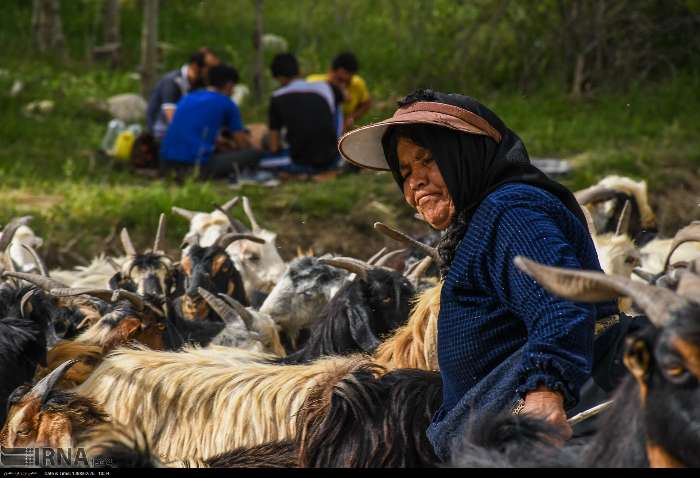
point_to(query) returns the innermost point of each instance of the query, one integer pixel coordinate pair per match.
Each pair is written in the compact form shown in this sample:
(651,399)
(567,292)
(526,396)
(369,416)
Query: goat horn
(135,299)
(191,240)
(102,294)
(236,225)
(418,269)
(113,263)
(623,224)
(225,240)
(690,233)
(594,194)
(371,260)
(244,313)
(249,213)
(349,264)
(39,263)
(387,257)
(186,213)
(44,282)
(230,203)
(222,309)
(589,221)
(44,386)
(404,238)
(25,302)
(648,277)
(658,303)
(9,232)
(160,234)
(127,244)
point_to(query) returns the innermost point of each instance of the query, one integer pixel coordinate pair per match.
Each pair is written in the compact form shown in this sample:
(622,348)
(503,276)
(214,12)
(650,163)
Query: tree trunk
(149,47)
(47,29)
(259,52)
(111,30)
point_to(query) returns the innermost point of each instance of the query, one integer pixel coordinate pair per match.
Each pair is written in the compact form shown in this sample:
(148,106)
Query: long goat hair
(370,419)
(224,398)
(278,454)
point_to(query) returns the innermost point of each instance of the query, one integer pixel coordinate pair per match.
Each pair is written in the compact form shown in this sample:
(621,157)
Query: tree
(149,47)
(110,28)
(47,29)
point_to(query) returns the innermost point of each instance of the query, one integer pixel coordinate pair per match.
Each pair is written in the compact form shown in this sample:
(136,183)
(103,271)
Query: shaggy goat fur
(223,397)
(369,418)
(278,454)
(22,341)
(358,316)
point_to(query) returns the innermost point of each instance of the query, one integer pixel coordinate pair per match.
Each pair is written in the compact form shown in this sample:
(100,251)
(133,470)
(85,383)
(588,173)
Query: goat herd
(230,357)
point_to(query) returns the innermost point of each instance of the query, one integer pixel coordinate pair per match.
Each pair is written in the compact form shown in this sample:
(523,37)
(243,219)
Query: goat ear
(122,333)
(360,329)
(637,359)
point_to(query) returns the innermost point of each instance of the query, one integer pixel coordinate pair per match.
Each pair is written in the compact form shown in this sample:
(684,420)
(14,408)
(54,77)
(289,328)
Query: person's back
(306,110)
(192,134)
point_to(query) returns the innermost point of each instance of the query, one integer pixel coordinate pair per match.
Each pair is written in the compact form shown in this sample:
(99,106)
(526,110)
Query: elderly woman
(504,343)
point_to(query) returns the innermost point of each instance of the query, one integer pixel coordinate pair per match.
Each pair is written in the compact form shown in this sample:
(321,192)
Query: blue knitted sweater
(490,309)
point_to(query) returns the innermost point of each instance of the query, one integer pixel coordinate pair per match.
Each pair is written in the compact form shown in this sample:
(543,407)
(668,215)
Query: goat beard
(672,426)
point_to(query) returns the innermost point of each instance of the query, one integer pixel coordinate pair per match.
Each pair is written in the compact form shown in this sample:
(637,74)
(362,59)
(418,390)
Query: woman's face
(423,186)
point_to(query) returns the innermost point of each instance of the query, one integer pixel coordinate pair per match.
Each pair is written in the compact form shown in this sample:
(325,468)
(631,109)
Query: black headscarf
(472,165)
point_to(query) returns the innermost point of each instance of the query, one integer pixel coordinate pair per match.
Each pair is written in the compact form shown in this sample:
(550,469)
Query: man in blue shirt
(195,138)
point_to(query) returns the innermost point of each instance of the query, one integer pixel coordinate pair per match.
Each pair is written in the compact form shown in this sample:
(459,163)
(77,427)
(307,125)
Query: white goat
(95,275)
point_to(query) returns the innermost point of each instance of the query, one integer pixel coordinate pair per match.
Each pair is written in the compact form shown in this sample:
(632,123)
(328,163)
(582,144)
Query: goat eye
(676,373)
(386,300)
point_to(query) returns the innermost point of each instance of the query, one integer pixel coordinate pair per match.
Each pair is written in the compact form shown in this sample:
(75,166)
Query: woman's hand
(548,405)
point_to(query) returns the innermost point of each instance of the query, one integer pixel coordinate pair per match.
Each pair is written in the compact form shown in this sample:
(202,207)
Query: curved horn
(45,283)
(222,309)
(135,299)
(401,237)
(690,233)
(242,312)
(418,270)
(160,234)
(190,240)
(249,213)
(236,225)
(9,232)
(349,264)
(102,294)
(379,254)
(44,386)
(623,224)
(225,240)
(113,264)
(25,302)
(594,194)
(587,286)
(40,264)
(126,243)
(230,203)
(647,277)
(387,257)
(186,213)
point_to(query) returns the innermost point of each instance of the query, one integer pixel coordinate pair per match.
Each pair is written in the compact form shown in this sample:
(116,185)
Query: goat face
(212,269)
(42,417)
(666,365)
(388,296)
(306,287)
(148,273)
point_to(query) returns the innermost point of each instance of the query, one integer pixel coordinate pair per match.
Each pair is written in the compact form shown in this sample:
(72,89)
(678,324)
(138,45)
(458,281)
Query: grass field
(50,167)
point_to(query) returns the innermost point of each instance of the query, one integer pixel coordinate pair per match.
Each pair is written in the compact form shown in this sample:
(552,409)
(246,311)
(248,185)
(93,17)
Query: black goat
(370,419)
(212,269)
(23,338)
(282,454)
(659,423)
(360,313)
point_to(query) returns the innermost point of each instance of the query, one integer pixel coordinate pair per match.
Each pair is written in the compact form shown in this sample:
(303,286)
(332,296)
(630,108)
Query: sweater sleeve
(559,349)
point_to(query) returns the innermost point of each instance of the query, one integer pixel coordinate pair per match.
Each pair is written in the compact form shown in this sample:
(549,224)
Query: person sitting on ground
(194,139)
(173,86)
(307,111)
(343,75)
